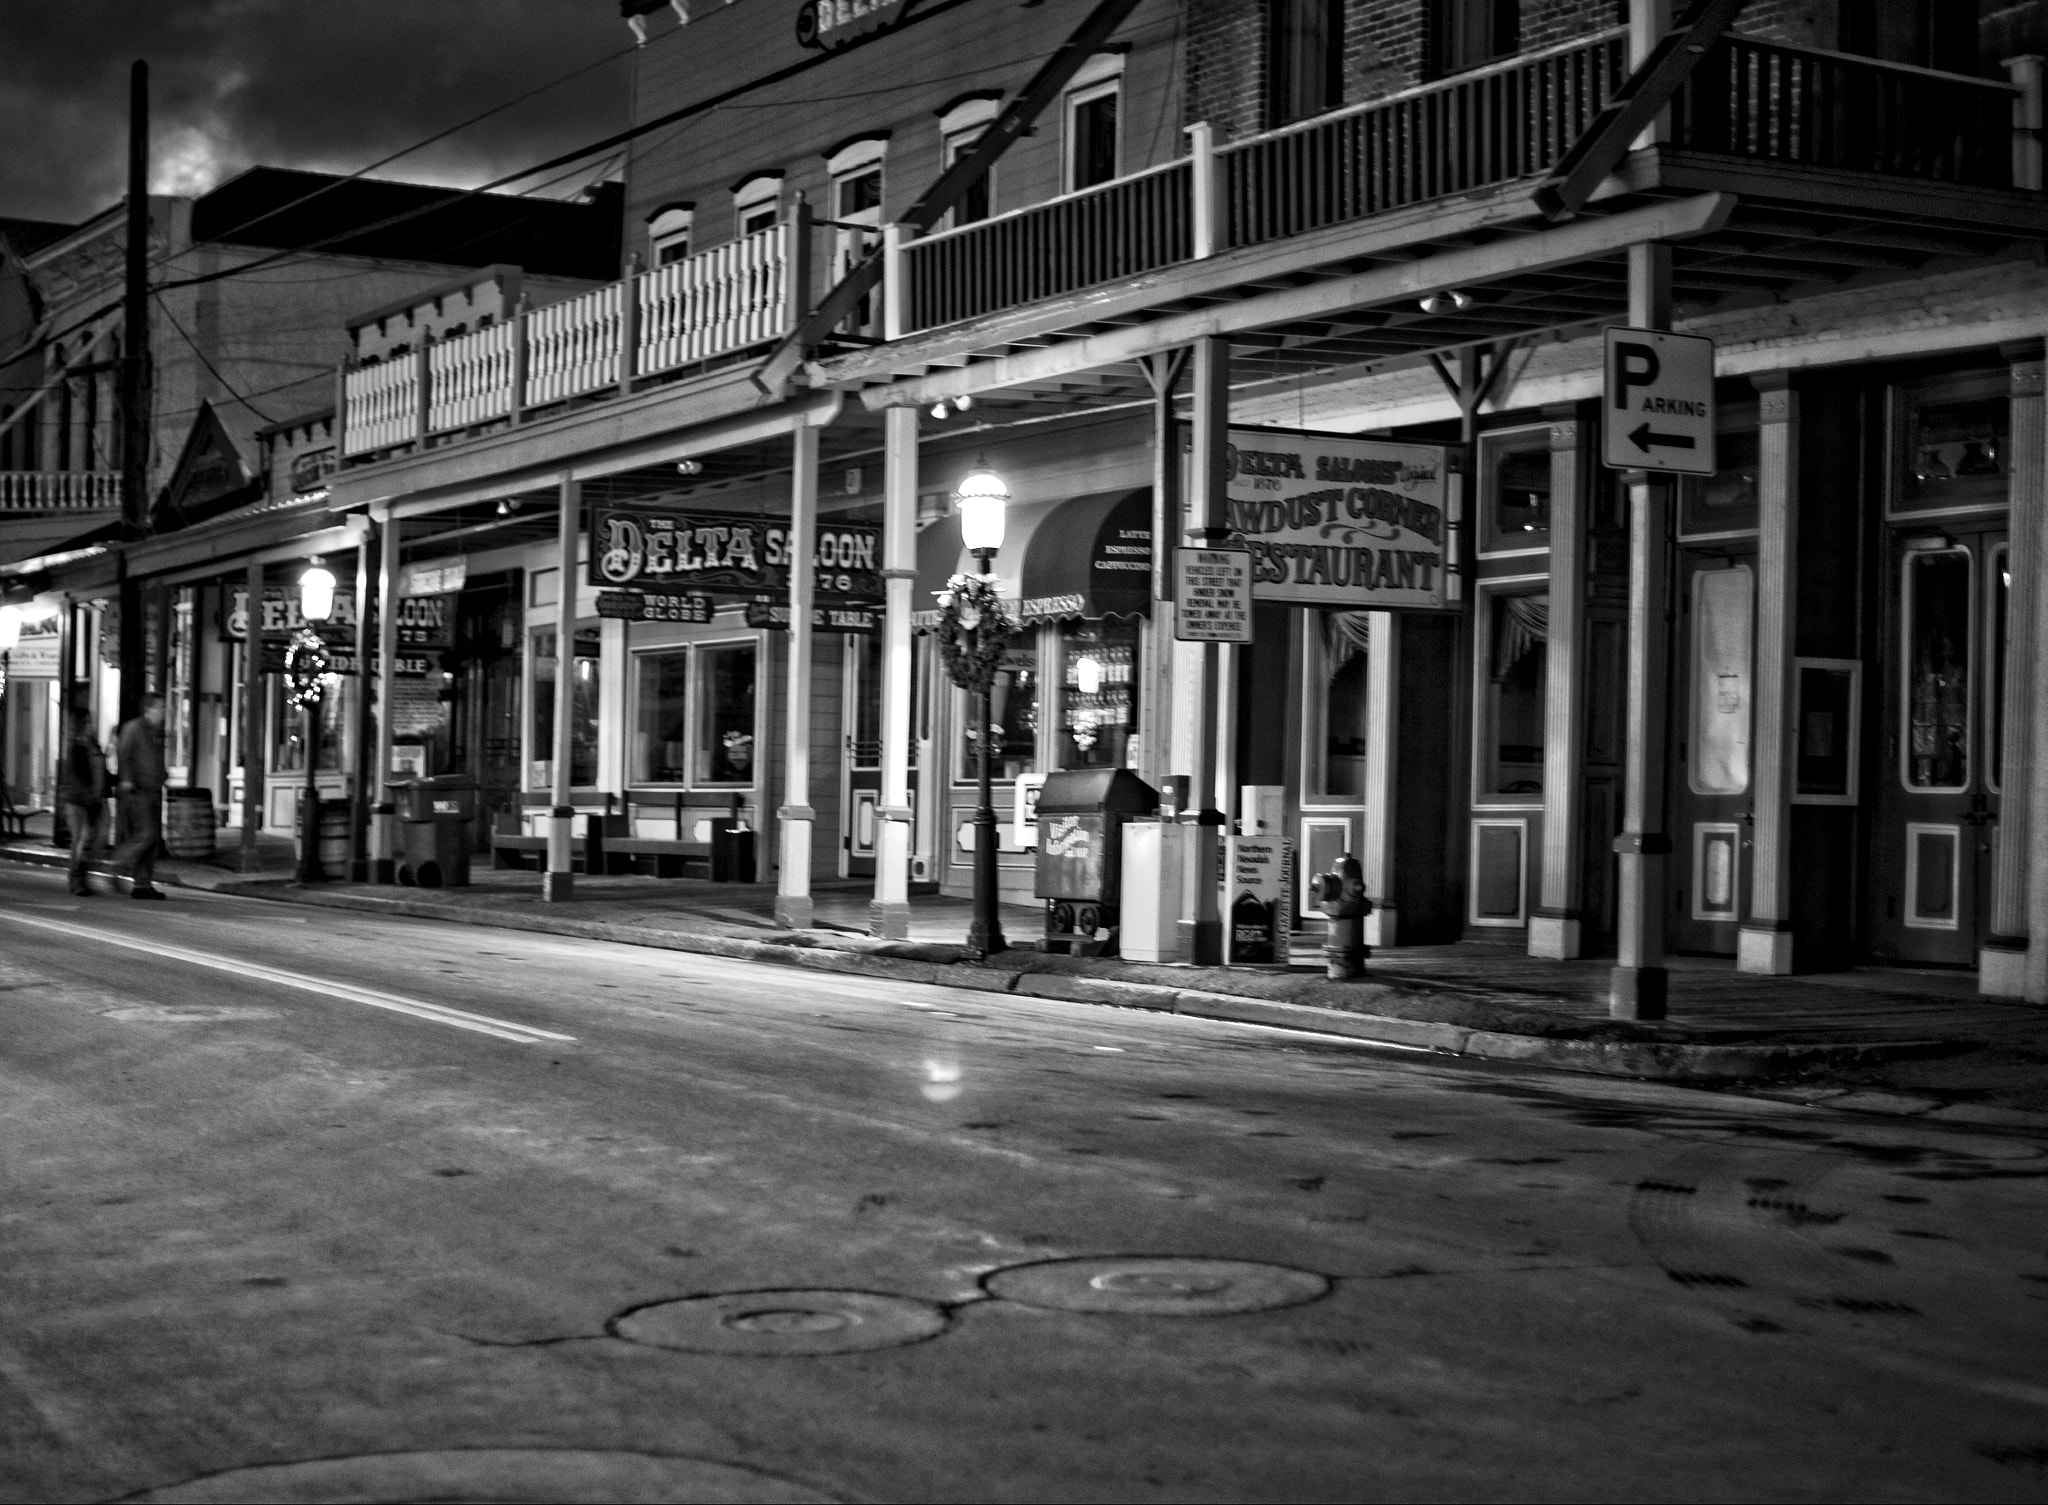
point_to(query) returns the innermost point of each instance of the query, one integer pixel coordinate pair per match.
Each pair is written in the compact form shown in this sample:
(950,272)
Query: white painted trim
(1914,830)
(1701,830)
(849,160)
(1521,915)
(1854,730)
(968,115)
(1305,878)
(1101,67)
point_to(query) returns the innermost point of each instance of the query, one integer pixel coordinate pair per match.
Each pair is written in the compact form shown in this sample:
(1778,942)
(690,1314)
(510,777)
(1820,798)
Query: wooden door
(1936,806)
(1713,776)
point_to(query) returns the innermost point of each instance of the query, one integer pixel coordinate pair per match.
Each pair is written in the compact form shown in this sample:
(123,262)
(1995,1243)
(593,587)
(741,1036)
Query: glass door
(1938,785)
(861,788)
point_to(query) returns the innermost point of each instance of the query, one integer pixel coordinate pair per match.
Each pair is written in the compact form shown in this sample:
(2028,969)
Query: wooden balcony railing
(1506,121)
(698,309)
(1750,98)
(1121,229)
(59,490)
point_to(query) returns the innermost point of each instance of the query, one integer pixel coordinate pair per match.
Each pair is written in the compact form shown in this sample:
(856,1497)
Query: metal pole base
(310,870)
(557,888)
(1638,992)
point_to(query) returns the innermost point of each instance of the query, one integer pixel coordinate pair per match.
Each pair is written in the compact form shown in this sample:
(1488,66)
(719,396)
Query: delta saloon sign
(1353,524)
(831,24)
(728,554)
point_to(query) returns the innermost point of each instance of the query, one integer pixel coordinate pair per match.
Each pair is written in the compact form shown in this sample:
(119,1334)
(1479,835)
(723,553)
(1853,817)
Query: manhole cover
(184,1013)
(783,1322)
(1164,1287)
(500,1474)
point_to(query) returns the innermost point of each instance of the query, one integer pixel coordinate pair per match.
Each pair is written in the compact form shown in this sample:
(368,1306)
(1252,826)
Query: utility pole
(135,435)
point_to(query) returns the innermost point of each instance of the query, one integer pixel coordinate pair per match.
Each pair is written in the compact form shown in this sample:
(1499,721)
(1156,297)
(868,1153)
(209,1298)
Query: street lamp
(305,672)
(984,502)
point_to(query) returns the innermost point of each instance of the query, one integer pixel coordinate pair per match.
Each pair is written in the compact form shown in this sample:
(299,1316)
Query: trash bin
(434,817)
(1081,818)
(732,852)
(1155,857)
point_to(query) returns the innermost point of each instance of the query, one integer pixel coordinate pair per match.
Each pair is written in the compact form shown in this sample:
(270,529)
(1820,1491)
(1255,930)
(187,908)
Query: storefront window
(1956,452)
(661,743)
(1515,476)
(1726,501)
(1518,633)
(1012,713)
(1721,665)
(178,690)
(1937,698)
(1337,698)
(1099,703)
(725,714)
(583,709)
(288,728)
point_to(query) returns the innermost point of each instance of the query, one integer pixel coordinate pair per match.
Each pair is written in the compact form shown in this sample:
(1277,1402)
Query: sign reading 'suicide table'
(1355,524)
(727,554)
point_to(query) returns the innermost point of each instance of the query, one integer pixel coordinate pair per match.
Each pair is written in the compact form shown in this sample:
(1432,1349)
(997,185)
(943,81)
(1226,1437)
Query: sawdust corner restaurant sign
(829,24)
(1354,524)
(726,554)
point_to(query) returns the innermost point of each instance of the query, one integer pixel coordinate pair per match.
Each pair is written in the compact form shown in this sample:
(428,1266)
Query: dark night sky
(294,83)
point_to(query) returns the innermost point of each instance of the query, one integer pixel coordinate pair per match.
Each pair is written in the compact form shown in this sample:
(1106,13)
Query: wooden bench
(682,826)
(511,847)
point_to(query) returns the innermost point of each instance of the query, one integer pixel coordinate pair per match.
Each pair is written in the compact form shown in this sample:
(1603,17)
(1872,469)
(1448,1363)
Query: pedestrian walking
(139,754)
(83,786)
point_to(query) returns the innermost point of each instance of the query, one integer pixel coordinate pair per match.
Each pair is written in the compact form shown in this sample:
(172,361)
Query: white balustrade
(382,404)
(58,490)
(715,302)
(572,347)
(469,378)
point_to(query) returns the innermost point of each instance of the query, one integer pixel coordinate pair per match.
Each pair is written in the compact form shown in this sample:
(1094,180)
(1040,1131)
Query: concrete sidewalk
(1920,1041)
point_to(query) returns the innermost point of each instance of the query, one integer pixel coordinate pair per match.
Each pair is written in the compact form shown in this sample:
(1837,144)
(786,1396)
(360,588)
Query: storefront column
(1378,865)
(557,883)
(384,816)
(796,817)
(1638,984)
(255,736)
(2002,962)
(889,912)
(1215,721)
(362,739)
(1155,691)
(1764,944)
(1555,924)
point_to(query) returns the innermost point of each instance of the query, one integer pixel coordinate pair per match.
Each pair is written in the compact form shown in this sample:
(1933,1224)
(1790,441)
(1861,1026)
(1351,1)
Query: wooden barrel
(334,828)
(189,824)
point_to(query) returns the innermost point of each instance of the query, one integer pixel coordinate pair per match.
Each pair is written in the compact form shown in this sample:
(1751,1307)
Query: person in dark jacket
(82,786)
(139,759)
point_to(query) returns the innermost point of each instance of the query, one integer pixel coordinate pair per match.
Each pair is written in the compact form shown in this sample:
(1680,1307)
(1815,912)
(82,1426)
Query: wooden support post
(2002,962)
(793,872)
(1555,925)
(1201,923)
(1638,984)
(629,325)
(361,738)
(1155,693)
(1764,943)
(384,835)
(1377,862)
(557,884)
(2026,76)
(423,381)
(889,912)
(255,742)
(1206,199)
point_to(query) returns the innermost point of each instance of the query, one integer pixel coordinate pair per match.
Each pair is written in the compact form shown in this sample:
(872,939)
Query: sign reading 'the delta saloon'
(726,553)
(1353,524)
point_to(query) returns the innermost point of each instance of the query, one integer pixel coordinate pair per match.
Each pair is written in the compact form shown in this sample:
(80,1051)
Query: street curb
(1672,1061)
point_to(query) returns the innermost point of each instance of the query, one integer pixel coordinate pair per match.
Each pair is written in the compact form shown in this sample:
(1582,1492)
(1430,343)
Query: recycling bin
(1079,865)
(434,819)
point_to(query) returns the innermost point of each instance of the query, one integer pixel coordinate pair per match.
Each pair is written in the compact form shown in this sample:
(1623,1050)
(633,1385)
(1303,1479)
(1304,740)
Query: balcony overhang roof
(1742,232)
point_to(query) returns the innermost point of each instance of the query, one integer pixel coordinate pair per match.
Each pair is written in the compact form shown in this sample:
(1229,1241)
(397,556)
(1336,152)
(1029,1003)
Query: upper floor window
(856,169)
(961,124)
(1304,59)
(668,233)
(757,202)
(1470,33)
(1094,129)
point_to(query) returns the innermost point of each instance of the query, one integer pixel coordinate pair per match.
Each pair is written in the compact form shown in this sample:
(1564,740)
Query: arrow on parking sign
(1643,438)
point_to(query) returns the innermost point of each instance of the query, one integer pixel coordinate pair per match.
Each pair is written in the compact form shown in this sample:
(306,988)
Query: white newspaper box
(1154,858)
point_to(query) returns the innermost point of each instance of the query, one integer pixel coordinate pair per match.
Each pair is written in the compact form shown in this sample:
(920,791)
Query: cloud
(290,84)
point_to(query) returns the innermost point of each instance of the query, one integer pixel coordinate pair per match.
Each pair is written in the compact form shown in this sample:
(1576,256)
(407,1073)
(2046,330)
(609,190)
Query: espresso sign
(727,554)
(1355,524)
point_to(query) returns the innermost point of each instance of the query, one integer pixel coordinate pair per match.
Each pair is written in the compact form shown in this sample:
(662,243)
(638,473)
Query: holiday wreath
(974,627)
(306,665)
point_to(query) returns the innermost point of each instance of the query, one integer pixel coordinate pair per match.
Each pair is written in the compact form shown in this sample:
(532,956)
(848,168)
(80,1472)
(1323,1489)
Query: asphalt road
(303,1204)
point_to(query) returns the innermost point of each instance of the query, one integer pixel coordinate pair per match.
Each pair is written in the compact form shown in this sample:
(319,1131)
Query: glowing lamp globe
(316,594)
(983,501)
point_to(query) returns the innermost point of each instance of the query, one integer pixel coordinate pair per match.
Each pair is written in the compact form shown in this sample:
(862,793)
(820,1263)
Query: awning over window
(1084,557)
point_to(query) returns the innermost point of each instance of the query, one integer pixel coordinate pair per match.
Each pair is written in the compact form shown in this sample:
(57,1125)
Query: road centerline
(482,1024)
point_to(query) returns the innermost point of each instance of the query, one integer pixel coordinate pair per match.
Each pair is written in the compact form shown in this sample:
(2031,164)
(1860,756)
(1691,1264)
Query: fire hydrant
(1343,900)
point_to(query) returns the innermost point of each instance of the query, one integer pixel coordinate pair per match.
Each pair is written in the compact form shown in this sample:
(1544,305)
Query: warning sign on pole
(1659,402)
(1213,595)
